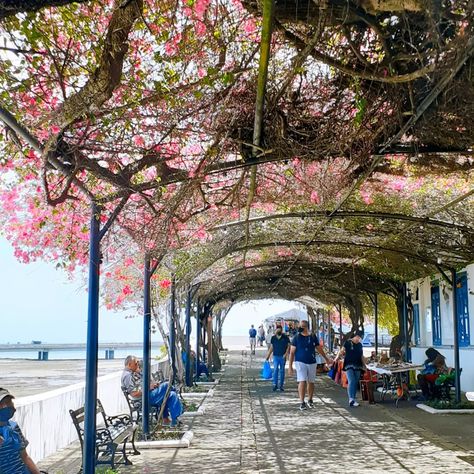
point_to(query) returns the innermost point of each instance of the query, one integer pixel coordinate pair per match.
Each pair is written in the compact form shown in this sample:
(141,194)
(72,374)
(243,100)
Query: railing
(44,418)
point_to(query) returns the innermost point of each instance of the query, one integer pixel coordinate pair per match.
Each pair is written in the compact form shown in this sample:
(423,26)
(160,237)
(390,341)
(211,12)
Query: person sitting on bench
(13,456)
(435,365)
(131,383)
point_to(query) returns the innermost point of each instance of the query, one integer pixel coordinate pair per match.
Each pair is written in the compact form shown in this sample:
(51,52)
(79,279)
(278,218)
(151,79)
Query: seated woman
(435,365)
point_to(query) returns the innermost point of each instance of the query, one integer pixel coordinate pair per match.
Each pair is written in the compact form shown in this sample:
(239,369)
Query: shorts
(305,372)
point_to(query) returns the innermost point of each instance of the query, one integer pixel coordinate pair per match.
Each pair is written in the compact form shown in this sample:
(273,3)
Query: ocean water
(72,354)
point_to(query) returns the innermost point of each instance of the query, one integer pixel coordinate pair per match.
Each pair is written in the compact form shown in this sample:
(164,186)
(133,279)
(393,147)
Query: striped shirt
(11,447)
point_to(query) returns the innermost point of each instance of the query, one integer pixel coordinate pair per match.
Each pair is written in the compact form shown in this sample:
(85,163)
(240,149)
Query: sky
(38,302)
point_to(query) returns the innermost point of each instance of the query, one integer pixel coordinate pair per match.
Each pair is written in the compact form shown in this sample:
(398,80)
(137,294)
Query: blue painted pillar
(457,380)
(88,460)
(172,338)
(146,348)
(405,324)
(376,322)
(198,337)
(340,325)
(188,339)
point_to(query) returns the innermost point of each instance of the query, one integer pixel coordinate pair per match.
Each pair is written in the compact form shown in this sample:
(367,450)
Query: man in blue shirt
(279,345)
(13,456)
(252,338)
(303,351)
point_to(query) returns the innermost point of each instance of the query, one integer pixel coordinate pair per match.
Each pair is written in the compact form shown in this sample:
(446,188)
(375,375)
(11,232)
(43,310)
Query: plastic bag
(266,371)
(333,371)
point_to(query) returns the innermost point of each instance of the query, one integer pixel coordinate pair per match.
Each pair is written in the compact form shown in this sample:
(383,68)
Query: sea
(58,354)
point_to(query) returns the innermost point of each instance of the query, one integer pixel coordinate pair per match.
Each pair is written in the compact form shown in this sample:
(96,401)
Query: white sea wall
(45,420)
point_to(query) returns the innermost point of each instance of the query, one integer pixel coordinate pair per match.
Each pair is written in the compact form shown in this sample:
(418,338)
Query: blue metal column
(198,337)
(457,380)
(146,349)
(376,322)
(188,339)
(340,325)
(172,338)
(405,323)
(88,460)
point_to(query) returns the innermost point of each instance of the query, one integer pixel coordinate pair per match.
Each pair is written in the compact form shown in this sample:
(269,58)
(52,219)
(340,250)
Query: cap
(5,393)
(359,333)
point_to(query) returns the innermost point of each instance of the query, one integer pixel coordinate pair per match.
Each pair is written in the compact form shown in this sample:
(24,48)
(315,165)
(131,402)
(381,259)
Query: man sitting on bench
(131,383)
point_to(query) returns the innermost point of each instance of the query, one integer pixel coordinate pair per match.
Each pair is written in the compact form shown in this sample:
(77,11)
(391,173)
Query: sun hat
(5,393)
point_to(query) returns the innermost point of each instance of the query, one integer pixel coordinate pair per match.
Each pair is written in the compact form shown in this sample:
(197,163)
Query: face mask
(6,413)
(300,329)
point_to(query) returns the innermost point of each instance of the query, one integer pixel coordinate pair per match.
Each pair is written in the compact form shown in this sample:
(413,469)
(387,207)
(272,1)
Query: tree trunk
(312,318)
(356,313)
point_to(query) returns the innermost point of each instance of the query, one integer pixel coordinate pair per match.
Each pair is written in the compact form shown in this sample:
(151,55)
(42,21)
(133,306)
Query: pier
(68,347)
(44,349)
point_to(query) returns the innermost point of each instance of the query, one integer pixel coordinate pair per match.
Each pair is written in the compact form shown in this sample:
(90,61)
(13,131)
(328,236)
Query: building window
(464,338)
(436,315)
(416,323)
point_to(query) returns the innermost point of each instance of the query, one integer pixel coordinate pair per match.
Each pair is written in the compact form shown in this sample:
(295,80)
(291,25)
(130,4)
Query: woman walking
(354,364)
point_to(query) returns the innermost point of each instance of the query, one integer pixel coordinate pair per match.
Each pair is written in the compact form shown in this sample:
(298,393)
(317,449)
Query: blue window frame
(436,315)
(416,323)
(464,337)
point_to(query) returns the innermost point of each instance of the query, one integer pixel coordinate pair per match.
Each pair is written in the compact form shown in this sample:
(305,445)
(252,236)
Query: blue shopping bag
(266,371)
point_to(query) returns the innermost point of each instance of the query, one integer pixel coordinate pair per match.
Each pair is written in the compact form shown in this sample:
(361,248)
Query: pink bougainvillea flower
(315,197)
(165,284)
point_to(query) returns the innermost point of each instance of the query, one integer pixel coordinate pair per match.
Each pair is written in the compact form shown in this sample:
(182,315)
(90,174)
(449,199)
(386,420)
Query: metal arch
(317,270)
(348,214)
(297,243)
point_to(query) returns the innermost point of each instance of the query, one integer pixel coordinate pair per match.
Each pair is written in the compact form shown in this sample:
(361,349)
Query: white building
(432,299)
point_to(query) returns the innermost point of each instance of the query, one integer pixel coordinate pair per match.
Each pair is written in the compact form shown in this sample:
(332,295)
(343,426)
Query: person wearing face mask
(303,351)
(13,456)
(279,345)
(354,364)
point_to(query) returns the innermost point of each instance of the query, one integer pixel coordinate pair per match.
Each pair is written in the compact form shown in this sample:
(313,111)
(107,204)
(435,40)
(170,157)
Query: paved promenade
(247,428)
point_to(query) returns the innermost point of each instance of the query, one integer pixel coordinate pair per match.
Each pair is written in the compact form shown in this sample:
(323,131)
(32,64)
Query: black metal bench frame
(135,407)
(115,432)
(443,391)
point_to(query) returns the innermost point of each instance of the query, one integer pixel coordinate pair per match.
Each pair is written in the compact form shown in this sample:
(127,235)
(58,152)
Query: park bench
(116,431)
(443,390)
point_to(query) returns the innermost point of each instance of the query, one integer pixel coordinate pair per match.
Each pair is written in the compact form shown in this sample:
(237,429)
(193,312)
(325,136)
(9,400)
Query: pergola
(340,165)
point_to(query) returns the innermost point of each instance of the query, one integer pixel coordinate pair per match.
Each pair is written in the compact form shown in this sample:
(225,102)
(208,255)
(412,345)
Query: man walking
(252,339)
(279,346)
(303,348)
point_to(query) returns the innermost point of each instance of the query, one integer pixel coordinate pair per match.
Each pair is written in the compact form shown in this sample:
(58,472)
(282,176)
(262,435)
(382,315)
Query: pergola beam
(348,214)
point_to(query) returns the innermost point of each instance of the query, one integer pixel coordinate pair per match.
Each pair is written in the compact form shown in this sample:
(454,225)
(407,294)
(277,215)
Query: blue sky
(38,302)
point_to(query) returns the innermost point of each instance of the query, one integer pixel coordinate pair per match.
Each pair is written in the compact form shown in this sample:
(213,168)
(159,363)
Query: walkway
(248,428)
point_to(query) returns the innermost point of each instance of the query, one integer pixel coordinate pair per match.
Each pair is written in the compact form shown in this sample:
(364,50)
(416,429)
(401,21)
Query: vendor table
(395,379)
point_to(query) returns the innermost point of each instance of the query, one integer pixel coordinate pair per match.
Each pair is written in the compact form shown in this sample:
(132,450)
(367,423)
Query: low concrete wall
(45,420)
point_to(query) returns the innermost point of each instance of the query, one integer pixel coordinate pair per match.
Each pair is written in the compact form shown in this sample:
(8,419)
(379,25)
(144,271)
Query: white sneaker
(354,403)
